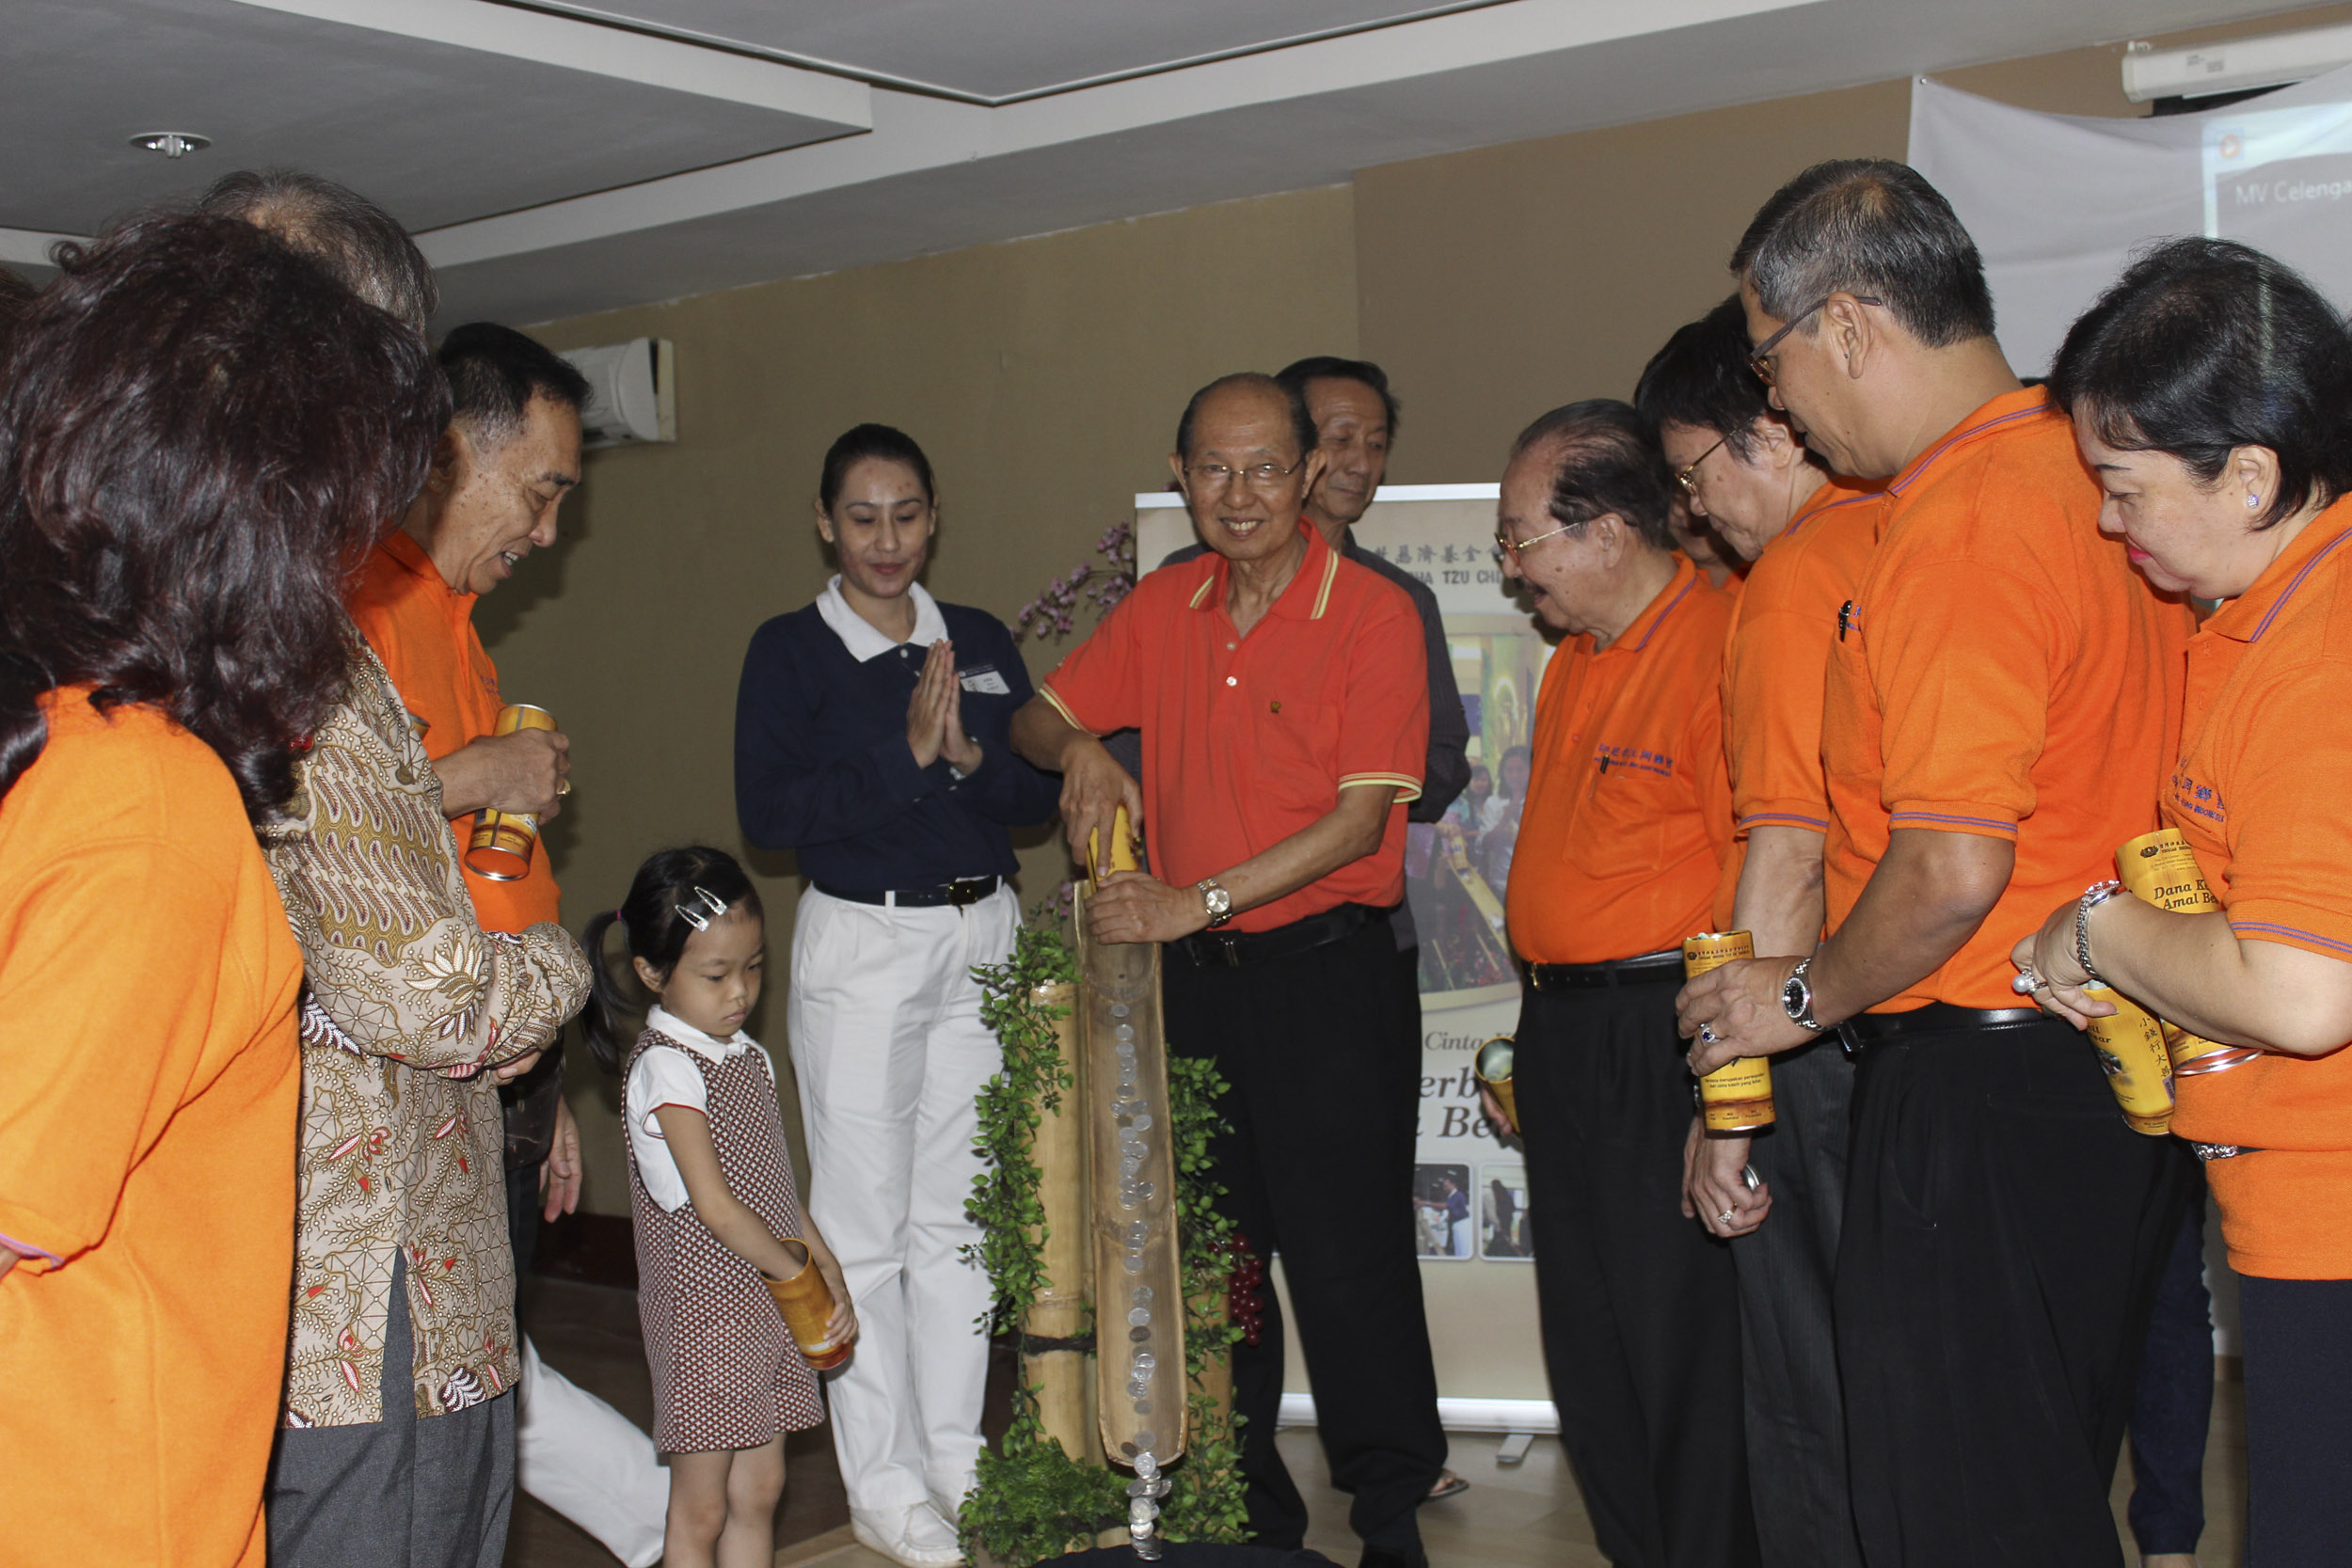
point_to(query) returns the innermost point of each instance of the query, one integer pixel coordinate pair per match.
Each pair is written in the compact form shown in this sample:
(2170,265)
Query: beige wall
(1044,377)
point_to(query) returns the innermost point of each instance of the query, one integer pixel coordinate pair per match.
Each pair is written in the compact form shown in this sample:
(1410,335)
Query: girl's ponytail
(654,927)
(605,1001)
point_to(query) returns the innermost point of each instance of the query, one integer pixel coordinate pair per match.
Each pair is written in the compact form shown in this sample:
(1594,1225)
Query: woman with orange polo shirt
(2211,391)
(199,433)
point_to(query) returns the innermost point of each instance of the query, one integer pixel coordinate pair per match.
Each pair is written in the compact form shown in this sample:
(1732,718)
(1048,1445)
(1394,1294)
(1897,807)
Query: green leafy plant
(1032,1501)
(1204,1500)
(1004,1201)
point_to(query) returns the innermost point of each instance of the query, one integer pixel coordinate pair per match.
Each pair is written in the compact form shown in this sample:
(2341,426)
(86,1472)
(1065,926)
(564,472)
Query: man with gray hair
(356,241)
(576,1453)
(1995,723)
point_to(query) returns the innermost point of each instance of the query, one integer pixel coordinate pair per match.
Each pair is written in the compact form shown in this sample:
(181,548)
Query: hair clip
(717,907)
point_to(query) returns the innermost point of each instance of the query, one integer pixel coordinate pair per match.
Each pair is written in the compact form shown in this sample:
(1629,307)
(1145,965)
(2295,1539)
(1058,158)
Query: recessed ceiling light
(171,144)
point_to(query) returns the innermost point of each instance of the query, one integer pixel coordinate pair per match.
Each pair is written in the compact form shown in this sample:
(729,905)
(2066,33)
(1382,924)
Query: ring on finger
(1706,1033)
(1725,1216)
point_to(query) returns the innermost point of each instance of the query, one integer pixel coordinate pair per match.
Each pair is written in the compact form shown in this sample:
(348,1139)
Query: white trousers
(890,1051)
(589,1463)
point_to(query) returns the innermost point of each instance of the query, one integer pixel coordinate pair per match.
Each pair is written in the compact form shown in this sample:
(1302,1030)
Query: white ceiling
(562,155)
(993,48)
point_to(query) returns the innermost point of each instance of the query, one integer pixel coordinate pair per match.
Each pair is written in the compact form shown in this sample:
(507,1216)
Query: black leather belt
(1650,969)
(1936,1018)
(962,892)
(1232,949)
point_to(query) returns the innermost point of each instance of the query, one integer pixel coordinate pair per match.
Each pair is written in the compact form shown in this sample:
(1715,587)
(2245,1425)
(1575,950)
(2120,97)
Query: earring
(2252,501)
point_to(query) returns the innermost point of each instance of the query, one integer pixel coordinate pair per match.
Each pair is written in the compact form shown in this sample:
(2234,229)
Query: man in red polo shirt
(1285,716)
(1999,709)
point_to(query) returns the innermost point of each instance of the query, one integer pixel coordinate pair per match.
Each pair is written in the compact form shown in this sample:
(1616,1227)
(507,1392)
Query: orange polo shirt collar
(1627,818)
(2245,618)
(2011,408)
(1249,739)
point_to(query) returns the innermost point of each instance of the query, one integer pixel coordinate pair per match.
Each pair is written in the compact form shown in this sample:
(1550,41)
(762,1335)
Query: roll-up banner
(1469,1191)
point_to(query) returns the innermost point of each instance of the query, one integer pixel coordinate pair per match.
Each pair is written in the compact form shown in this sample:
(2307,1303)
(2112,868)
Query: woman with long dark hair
(2211,391)
(201,434)
(870,736)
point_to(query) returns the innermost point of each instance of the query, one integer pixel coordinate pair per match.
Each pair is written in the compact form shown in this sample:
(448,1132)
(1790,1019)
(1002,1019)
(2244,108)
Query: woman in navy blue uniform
(870,738)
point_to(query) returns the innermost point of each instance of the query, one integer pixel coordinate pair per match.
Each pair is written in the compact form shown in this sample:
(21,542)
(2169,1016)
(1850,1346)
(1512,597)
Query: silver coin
(1145,1439)
(1143,1123)
(1124,1031)
(1132,1265)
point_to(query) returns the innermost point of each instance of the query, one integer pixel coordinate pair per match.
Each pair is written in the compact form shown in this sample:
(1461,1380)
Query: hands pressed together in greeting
(935,714)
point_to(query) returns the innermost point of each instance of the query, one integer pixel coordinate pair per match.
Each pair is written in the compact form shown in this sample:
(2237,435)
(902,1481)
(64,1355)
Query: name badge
(984,679)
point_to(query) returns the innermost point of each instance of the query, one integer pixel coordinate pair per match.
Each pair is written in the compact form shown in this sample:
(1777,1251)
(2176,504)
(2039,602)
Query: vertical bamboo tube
(1059,1314)
(1138,1271)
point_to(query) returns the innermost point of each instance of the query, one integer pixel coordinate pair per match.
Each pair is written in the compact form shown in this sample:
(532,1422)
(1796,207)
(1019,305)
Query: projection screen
(2058,203)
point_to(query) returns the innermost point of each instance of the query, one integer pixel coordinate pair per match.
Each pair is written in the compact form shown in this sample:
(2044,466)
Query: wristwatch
(1220,902)
(1796,997)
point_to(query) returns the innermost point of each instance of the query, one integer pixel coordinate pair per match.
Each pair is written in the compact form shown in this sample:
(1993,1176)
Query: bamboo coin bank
(501,847)
(1737,1097)
(1493,1066)
(806,1303)
(2161,869)
(1137,1269)
(2132,1053)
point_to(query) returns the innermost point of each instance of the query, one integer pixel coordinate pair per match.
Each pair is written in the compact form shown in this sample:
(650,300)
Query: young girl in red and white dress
(710,1189)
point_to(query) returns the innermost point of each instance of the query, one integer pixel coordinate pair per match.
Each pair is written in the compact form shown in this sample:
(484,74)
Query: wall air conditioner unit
(633,392)
(2239,65)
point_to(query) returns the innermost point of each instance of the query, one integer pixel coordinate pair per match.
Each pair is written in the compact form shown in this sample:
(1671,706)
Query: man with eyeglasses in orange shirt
(1810,537)
(1620,847)
(1999,711)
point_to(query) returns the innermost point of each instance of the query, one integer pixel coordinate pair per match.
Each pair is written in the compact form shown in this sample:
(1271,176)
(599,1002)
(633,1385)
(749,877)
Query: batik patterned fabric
(406,1003)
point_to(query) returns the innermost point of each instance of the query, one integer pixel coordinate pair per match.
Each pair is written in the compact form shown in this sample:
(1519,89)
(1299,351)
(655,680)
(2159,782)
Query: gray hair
(1868,225)
(353,239)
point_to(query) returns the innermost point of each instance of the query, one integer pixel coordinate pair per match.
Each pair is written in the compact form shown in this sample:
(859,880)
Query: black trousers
(2299,1419)
(1321,1051)
(2172,1400)
(2003,1233)
(1796,1416)
(1641,1317)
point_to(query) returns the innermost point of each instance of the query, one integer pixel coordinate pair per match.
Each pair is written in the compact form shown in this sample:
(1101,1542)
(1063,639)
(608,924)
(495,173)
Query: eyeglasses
(1760,359)
(1686,476)
(1515,549)
(1258,476)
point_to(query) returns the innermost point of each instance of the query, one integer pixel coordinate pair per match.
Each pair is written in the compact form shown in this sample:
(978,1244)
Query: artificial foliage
(1033,1502)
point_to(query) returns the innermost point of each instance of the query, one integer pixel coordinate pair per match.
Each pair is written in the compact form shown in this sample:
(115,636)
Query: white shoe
(912,1535)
